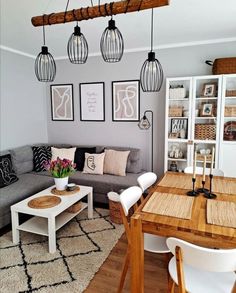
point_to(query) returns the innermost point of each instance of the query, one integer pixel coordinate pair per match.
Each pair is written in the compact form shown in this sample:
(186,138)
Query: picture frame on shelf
(126,101)
(62,102)
(92,101)
(209,89)
(180,127)
(206,110)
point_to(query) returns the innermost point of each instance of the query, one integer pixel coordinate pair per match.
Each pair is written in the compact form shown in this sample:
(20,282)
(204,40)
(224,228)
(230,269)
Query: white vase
(61,183)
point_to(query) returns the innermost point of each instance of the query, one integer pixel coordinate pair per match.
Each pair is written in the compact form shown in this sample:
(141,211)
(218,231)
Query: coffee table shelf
(39,225)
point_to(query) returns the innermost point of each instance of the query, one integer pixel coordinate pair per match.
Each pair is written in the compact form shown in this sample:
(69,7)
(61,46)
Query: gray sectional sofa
(31,182)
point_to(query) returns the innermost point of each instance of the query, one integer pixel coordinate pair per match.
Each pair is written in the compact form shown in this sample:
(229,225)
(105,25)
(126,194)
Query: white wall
(23,117)
(185,61)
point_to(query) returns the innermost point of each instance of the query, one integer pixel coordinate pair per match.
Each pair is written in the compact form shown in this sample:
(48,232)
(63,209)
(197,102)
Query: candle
(212,159)
(204,170)
(194,164)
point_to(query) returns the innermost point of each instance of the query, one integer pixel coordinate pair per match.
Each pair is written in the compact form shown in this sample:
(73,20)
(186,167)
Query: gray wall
(185,61)
(23,117)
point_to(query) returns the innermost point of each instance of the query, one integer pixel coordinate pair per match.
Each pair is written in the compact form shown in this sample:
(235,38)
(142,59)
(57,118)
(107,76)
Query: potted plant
(61,169)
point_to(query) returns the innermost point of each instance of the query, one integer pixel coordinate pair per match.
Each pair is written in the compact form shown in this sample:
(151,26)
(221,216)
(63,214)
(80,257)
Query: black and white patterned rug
(82,247)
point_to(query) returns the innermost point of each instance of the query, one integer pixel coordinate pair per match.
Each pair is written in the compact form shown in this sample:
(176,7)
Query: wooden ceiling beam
(96,11)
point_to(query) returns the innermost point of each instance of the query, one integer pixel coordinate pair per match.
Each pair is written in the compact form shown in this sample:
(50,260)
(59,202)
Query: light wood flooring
(107,278)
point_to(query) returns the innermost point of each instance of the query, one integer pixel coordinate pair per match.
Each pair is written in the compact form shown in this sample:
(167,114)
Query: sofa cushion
(41,155)
(22,159)
(115,162)
(64,153)
(7,174)
(80,156)
(93,163)
(134,162)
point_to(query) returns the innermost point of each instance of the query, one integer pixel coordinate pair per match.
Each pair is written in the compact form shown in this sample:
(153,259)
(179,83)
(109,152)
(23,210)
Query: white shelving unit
(193,105)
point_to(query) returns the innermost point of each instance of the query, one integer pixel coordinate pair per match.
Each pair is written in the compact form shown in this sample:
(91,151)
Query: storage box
(205,131)
(230,93)
(224,66)
(177,93)
(175,111)
(230,111)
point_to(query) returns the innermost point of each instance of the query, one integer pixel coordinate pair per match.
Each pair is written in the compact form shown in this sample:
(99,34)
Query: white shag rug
(82,246)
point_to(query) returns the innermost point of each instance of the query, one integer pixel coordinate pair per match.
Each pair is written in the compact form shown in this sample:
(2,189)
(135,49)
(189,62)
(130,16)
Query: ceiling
(183,22)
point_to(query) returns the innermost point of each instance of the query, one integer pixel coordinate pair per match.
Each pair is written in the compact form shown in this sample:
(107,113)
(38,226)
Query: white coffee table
(47,221)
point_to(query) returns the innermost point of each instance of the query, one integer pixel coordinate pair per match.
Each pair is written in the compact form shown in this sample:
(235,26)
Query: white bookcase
(195,120)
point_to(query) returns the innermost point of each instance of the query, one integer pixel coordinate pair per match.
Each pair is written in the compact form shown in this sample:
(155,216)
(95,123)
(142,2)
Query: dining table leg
(137,255)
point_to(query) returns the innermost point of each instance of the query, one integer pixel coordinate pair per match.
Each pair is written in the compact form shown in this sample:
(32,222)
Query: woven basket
(230,111)
(205,131)
(224,65)
(75,207)
(231,93)
(201,157)
(175,111)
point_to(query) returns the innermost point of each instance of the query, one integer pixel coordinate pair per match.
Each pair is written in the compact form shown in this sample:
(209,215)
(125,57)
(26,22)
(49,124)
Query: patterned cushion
(7,174)
(42,154)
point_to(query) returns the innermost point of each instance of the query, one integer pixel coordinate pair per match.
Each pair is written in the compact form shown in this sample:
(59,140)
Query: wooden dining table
(195,230)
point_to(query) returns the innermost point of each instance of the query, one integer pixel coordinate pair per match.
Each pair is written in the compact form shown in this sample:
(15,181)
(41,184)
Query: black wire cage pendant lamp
(112,43)
(45,66)
(151,76)
(77,47)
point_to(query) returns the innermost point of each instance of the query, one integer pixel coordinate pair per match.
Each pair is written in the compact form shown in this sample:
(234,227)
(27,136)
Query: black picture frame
(56,92)
(117,111)
(88,109)
(177,124)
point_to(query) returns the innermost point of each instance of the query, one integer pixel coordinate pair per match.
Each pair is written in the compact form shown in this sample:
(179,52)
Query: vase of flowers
(61,169)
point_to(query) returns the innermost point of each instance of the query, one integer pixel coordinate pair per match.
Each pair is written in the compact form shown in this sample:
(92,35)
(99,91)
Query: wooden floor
(107,278)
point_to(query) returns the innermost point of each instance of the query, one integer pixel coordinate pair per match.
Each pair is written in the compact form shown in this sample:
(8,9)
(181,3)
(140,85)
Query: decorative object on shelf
(176,152)
(45,66)
(177,92)
(92,101)
(206,110)
(60,169)
(205,131)
(173,166)
(209,89)
(145,124)
(62,107)
(179,126)
(77,47)
(193,192)
(223,65)
(151,75)
(230,131)
(230,111)
(204,153)
(175,111)
(112,43)
(125,100)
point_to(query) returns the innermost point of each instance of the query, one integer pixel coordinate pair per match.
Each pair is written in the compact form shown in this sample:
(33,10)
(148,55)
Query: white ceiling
(183,21)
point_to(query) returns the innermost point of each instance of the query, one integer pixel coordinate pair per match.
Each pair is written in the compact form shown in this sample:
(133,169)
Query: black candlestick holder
(209,194)
(203,189)
(193,192)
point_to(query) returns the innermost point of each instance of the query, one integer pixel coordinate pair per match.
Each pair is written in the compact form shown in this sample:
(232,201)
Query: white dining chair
(197,269)
(152,243)
(199,170)
(128,200)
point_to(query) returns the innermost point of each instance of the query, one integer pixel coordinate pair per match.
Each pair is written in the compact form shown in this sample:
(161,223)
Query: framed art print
(92,101)
(62,107)
(125,100)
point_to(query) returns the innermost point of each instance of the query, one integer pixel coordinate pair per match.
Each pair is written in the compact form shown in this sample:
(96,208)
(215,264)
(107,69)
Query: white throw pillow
(68,154)
(115,162)
(93,163)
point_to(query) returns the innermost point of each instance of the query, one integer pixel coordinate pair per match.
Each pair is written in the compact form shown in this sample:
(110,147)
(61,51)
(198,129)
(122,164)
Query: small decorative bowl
(70,186)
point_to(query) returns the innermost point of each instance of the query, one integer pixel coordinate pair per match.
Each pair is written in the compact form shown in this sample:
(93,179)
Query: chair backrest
(146,180)
(130,197)
(214,260)
(199,170)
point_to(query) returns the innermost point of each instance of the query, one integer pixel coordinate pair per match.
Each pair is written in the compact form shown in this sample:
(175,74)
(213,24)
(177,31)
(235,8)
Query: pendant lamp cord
(43,31)
(152,31)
